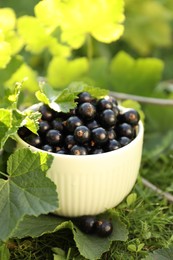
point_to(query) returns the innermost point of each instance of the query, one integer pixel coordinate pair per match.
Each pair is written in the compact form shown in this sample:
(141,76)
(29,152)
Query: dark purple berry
(24,132)
(47,113)
(78,150)
(131,117)
(99,135)
(82,134)
(47,148)
(123,140)
(34,140)
(57,124)
(111,134)
(97,151)
(53,137)
(86,224)
(72,122)
(103,104)
(108,118)
(103,228)
(87,111)
(112,145)
(92,124)
(125,129)
(44,126)
(69,141)
(84,97)
(61,151)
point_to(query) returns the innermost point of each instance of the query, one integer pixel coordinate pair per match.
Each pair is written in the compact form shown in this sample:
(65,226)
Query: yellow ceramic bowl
(91,184)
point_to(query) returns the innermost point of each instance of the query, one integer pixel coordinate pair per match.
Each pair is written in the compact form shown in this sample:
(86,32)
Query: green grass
(149,219)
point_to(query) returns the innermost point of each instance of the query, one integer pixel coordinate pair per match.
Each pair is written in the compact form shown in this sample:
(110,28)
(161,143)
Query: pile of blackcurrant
(95,126)
(92,225)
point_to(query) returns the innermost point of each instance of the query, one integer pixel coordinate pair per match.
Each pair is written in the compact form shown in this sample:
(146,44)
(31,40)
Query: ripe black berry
(131,117)
(103,104)
(99,135)
(84,97)
(111,134)
(24,132)
(69,141)
(78,150)
(92,124)
(44,126)
(87,111)
(86,224)
(125,129)
(47,148)
(47,113)
(123,140)
(82,134)
(34,140)
(112,145)
(72,122)
(108,118)
(53,137)
(57,124)
(103,228)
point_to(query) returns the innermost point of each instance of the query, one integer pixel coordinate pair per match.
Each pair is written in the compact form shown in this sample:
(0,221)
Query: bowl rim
(138,137)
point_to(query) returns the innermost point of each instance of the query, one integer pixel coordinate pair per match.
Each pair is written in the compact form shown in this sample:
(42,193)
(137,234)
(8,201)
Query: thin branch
(151,186)
(147,100)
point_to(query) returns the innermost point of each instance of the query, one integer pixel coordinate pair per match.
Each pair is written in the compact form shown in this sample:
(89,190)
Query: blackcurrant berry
(78,150)
(86,224)
(103,228)
(34,140)
(111,134)
(72,122)
(108,118)
(99,135)
(69,141)
(125,129)
(47,148)
(131,117)
(112,145)
(92,124)
(103,104)
(87,111)
(82,134)
(123,140)
(84,97)
(47,113)
(97,151)
(44,126)
(24,132)
(57,124)
(53,137)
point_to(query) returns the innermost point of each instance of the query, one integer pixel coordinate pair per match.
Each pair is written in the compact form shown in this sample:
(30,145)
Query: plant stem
(89,47)
(147,100)
(151,186)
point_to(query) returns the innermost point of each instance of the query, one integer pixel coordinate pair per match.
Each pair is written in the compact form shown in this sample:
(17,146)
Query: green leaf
(5,124)
(7,19)
(131,198)
(146,30)
(78,19)
(27,191)
(31,120)
(5,53)
(135,76)
(4,252)
(62,71)
(91,247)
(65,100)
(161,254)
